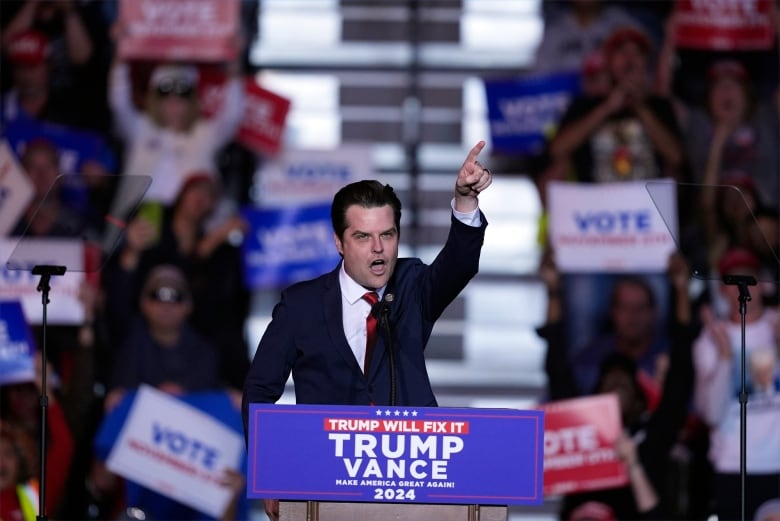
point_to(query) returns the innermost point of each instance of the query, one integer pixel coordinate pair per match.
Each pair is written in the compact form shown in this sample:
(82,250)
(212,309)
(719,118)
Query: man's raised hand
(473,178)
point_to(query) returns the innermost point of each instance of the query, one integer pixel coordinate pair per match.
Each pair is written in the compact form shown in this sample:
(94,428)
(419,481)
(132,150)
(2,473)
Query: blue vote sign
(525,111)
(17,346)
(396,454)
(287,245)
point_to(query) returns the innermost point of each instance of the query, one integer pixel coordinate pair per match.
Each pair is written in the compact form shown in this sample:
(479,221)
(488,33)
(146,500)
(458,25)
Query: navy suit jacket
(306,333)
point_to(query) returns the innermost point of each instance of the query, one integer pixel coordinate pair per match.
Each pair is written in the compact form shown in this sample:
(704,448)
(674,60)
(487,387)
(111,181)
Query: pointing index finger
(474,152)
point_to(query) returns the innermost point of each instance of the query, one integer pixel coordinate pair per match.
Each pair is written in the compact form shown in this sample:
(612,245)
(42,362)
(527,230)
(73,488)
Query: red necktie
(372,298)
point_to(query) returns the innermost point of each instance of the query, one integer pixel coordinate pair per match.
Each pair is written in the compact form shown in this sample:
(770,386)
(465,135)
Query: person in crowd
(629,134)
(726,215)
(35,108)
(717,357)
(19,500)
(639,499)
(730,142)
(731,135)
(47,215)
(319,329)
(20,415)
(734,134)
(647,442)
(211,260)
(74,349)
(579,28)
(72,208)
(595,81)
(161,349)
(78,38)
(61,23)
(653,417)
(729,216)
(31,97)
(733,131)
(170,139)
(633,332)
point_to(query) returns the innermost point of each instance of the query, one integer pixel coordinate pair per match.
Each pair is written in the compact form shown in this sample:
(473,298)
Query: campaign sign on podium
(396,454)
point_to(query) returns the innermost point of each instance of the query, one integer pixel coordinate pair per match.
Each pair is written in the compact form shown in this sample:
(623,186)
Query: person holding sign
(161,349)
(318,330)
(171,138)
(653,417)
(629,134)
(210,261)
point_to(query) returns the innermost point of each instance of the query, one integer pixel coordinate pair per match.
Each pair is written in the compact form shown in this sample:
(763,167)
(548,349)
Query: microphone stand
(384,318)
(46,272)
(742,282)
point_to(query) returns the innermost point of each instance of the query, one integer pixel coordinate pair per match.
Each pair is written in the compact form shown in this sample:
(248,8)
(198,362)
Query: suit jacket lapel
(331,304)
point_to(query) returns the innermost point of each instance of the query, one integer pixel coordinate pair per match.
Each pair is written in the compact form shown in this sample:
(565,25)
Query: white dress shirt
(354,309)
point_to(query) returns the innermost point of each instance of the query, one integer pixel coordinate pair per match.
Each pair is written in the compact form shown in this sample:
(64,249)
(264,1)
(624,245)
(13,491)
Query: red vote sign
(262,127)
(265,112)
(726,25)
(579,436)
(185,30)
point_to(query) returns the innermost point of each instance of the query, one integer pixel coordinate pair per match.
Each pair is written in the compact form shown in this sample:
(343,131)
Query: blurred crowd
(169,307)
(670,344)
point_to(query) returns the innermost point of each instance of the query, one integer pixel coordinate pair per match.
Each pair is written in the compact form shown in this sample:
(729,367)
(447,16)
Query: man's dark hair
(368,194)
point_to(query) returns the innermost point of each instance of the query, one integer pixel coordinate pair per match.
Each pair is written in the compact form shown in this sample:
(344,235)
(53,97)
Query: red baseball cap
(625,35)
(29,47)
(737,258)
(593,510)
(727,69)
(741,180)
(196,177)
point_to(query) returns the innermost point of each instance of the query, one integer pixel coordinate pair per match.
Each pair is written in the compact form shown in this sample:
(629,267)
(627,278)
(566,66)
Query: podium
(383,463)
(341,511)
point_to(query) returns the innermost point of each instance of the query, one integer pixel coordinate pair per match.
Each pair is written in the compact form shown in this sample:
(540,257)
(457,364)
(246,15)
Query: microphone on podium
(381,310)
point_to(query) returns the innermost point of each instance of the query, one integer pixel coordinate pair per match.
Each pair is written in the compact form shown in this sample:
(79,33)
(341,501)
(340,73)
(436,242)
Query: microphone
(381,311)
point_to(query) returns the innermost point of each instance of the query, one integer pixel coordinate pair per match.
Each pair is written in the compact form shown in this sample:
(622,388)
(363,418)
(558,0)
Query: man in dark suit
(319,329)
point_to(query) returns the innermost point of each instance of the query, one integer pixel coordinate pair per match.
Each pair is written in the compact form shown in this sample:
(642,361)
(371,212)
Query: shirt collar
(351,290)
